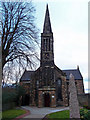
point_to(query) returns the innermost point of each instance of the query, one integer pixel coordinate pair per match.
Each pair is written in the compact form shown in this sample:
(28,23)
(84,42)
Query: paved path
(40,113)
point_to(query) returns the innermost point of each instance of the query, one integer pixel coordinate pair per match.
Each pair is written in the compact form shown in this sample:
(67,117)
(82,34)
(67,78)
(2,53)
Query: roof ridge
(70,69)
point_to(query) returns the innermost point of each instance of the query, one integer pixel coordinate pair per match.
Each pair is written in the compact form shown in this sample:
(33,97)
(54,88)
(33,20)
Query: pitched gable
(76,73)
(26,76)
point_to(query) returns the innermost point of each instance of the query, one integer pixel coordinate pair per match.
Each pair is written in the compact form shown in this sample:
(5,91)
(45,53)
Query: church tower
(47,54)
(46,91)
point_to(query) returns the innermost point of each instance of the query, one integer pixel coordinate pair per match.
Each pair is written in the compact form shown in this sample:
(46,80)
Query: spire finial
(47,6)
(78,67)
(47,24)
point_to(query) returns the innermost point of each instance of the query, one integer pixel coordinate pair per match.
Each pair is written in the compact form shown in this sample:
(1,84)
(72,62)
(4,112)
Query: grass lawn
(84,113)
(10,114)
(60,114)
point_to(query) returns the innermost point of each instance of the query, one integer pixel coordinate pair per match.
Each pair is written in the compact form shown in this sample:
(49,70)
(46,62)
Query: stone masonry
(73,101)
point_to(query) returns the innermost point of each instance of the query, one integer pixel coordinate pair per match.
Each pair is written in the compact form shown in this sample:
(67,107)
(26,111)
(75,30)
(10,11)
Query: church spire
(47,24)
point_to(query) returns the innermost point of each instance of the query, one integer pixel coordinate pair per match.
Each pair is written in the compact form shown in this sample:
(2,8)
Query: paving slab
(40,113)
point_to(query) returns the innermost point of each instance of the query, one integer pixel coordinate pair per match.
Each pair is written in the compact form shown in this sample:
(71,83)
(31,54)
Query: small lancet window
(46,44)
(59,82)
(37,83)
(59,89)
(49,44)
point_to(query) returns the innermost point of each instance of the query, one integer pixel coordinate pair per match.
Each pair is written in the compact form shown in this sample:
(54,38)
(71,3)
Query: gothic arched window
(37,83)
(49,44)
(44,44)
(59,89)
(59,82)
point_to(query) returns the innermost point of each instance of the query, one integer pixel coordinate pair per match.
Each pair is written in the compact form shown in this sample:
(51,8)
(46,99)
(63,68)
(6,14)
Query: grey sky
(69,21)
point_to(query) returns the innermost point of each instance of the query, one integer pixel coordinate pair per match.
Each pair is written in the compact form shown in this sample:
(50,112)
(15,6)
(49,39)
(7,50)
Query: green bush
(83,111)
(8,95)
(8,106)
(85,114)
(8,98)
(12,96)
(20,91)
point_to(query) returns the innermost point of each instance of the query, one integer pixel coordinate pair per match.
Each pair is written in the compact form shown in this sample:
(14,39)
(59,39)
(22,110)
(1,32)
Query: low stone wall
(84,99)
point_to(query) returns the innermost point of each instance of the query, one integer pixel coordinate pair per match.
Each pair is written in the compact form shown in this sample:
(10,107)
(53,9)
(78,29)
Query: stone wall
(84,99)
(80,87)
(64,91)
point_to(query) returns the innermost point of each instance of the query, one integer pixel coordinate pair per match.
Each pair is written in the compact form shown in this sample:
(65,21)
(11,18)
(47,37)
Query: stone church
(48,85)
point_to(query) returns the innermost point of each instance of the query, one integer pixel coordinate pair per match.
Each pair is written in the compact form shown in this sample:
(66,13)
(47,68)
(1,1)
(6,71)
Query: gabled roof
(76,73)
(26,76)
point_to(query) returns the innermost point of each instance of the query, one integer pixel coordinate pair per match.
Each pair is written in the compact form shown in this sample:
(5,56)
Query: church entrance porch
(46,97)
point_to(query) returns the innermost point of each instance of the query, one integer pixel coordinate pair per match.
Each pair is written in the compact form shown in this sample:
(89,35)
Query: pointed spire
(47,24)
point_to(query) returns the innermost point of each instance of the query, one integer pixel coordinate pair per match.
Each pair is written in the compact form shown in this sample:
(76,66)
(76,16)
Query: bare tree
(19,33)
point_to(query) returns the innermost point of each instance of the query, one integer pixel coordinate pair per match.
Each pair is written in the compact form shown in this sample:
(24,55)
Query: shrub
(8,98)
(20,91)
(12,96)
(85,114)
(8,95)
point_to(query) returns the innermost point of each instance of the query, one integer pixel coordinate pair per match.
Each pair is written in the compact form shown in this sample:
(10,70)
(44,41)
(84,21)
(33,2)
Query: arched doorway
(46,100)
(26,99)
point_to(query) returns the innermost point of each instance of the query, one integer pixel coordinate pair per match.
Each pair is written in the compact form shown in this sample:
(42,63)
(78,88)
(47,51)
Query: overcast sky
(69,21)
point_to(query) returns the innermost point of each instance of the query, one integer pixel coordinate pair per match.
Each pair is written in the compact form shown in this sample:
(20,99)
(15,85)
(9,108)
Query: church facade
(48,85)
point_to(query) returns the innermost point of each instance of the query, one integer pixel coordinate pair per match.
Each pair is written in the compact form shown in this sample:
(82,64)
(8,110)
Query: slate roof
(76,73)
(26,75)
